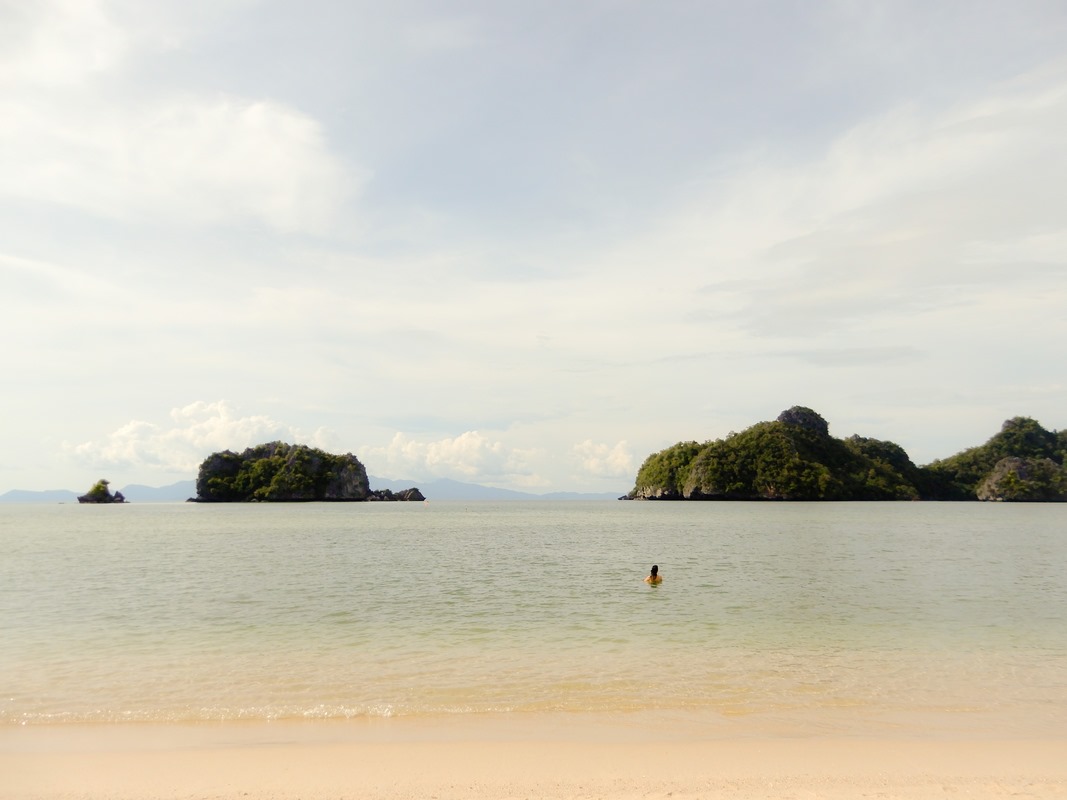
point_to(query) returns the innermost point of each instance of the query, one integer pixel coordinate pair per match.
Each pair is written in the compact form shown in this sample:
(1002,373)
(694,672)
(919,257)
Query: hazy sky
(523,244)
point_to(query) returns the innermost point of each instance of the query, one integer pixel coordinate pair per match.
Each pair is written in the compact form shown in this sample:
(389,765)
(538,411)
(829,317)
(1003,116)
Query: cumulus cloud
(192,433)
(73,139)
(604,461)
(470,456)
(193,159)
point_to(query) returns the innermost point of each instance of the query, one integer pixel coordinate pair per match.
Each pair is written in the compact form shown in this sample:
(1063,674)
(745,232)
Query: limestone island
(101,494)
(795,458)
(277,472)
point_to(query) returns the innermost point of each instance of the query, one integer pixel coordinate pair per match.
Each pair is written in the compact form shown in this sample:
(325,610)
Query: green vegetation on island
(796,458)
(1022,462)
(99,493)
(277,472)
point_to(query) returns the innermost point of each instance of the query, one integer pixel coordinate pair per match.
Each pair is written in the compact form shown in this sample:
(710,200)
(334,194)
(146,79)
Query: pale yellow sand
(537,757)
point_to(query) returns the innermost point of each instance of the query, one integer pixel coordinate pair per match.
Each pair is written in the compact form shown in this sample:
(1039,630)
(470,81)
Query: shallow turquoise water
(209,612)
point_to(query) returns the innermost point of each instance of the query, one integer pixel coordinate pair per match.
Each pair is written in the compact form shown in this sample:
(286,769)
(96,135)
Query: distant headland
(795,458)
(277,472)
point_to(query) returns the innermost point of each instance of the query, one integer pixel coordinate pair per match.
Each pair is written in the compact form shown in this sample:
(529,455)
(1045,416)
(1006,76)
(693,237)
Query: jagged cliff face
(1024,480)
(349,482)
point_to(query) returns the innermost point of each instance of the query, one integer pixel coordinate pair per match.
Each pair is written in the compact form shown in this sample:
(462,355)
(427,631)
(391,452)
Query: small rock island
(277,472)
(101,494)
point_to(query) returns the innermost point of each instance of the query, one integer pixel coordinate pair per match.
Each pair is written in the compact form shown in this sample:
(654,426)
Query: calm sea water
(190,612)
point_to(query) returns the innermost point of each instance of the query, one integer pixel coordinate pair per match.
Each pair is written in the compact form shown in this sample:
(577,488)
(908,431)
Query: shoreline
(622,756)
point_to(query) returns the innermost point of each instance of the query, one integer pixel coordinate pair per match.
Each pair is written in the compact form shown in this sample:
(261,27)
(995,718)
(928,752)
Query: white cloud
(873,235)
(470,456)
(71,43)
(605,461)
(190,159)
(53,279)
(888,219)
(193,433)
(75,134)
(58,43)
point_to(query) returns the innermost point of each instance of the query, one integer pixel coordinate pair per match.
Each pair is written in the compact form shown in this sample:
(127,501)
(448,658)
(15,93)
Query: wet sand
(536,756)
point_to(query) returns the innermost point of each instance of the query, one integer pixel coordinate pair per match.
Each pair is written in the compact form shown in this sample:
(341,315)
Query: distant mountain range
(447,489)
(440,489)
(135,493)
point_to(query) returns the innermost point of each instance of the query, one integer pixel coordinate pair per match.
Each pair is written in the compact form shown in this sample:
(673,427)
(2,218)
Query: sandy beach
(497,757)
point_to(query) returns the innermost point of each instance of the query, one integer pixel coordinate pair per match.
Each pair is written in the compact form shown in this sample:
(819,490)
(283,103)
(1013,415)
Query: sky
(522,244)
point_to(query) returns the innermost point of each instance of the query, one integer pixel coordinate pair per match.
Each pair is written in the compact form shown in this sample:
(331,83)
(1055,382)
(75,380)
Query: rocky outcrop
(277,472)
(652,493)
(101,494)
(803,417)
(349,481)
(1025,479)
(410,495)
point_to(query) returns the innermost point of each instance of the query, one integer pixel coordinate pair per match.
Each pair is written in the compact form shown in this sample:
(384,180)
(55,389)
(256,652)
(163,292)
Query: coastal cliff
(795,458)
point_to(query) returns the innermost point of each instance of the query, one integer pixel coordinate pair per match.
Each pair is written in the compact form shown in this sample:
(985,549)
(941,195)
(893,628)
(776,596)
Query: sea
(846,617)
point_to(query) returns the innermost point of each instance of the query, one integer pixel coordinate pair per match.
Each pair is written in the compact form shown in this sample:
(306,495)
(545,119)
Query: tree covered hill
(795,458)
(1021,462)
(285,473)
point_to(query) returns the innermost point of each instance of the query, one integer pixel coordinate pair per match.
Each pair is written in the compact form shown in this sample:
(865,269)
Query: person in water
(653,576)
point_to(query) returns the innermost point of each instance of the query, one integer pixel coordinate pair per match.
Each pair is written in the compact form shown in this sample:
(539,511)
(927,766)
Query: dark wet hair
(655,568)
